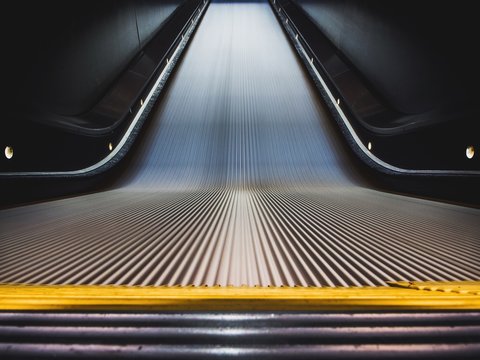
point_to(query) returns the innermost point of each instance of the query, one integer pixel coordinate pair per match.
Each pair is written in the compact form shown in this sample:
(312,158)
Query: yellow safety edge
(401,295)
(460,287)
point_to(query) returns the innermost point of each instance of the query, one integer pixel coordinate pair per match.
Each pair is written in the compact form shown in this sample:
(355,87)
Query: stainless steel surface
(274,335)
(240,319)
(241,179)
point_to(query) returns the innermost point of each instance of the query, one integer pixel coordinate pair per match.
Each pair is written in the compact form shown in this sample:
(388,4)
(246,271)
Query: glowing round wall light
(369,146)
(8,152)
(110,146)
(470,152)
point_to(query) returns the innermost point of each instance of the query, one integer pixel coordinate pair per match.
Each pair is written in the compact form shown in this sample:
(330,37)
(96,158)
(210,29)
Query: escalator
(240,178)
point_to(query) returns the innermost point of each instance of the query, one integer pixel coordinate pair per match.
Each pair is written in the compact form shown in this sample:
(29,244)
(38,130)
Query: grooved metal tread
(240,178)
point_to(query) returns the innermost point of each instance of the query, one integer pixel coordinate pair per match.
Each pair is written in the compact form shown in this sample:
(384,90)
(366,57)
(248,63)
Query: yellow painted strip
(71,297)
(459,287)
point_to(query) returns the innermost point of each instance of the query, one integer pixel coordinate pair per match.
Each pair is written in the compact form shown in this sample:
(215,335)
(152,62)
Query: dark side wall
(416,54)
(63,55)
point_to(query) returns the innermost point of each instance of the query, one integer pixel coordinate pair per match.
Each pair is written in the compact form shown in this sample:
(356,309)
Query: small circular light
(338,101)
(369,146)
(8,152)
(141,102)
(110,146)
(470,152)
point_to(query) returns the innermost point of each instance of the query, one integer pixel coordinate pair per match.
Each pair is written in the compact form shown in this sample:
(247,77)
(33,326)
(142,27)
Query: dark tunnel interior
(216,146)
(407,74)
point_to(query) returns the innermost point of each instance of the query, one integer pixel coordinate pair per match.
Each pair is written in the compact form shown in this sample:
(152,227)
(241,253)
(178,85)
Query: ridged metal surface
(241,179)
(322,237)
(240,335)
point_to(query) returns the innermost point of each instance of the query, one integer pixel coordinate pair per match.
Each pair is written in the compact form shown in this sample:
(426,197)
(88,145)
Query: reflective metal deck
(241,178)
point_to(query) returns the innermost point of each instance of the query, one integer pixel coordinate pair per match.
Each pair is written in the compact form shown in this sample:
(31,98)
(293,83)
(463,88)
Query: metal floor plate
(254,335)
(241,178)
